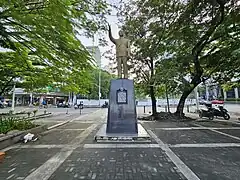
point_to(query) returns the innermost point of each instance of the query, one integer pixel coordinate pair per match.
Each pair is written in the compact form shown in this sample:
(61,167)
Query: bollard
(67,111)
(144,109)
(165,108)
(2,155)
(80,110)
(187,108)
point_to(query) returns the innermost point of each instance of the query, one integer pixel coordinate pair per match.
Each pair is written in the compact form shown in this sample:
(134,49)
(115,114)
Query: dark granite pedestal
(122,117)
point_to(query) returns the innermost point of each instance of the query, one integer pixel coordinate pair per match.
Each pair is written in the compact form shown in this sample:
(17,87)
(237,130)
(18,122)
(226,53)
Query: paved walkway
(178,151)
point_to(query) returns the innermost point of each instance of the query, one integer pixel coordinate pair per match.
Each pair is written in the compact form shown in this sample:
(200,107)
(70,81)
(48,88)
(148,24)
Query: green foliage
(192,41)
(9,123)
(94,85)
(147,25)
(230,85)
(42,36)
(233,99)
(140,91)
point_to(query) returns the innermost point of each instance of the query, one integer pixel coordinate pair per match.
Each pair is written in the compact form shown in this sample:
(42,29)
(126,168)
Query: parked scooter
(78,106)
(221,112)
(207,113)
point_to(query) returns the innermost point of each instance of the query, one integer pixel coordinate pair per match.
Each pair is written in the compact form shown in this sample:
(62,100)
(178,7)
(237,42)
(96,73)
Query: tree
(204,40)
(94,85)
(198,39)
(45,33)
(147,34)
(10,68)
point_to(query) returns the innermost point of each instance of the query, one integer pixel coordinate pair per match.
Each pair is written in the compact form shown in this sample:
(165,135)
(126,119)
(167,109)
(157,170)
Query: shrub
(233,99)
(29,114)
(35,112)
(14,123)
(10,112)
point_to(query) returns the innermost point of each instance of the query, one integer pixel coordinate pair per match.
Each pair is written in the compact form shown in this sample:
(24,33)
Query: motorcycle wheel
(226,116)
(211,117)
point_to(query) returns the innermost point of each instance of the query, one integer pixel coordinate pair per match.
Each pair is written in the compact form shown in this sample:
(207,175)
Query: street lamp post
(13,96)
(207,93)
(196,97)
(31,100)
(99,86)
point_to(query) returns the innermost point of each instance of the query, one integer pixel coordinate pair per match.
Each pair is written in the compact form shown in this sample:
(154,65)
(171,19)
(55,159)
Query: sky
(113,21)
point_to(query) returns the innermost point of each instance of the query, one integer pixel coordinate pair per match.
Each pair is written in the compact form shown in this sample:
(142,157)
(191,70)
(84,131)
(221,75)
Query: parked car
(2,105)
(63,105)
(9,103)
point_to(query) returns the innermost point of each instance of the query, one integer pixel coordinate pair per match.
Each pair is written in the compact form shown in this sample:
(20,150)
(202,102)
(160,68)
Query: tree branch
(4,87)
(204,39)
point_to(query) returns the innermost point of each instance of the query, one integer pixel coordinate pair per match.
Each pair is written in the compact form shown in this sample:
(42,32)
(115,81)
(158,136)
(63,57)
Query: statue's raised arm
(110,34)
(123,52)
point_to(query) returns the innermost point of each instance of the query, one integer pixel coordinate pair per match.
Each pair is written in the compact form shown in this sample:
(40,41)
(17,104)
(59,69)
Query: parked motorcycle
(207,113)
(221,112)
(105,105)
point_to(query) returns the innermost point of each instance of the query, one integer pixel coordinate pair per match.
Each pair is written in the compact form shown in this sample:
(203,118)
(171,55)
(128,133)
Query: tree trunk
(154,102)
(152,92)
(167,98)
(181,103)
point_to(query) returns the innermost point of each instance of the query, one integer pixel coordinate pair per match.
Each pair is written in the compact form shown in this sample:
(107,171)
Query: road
(63,114)
(41,110)
(177,151)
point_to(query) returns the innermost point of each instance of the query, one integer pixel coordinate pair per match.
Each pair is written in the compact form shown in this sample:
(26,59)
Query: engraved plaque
(122,96)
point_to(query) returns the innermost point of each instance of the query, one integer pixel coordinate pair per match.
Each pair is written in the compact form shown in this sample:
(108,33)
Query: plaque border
(126,96)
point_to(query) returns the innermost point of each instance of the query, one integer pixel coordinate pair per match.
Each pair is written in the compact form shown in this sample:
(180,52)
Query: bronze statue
(122,52)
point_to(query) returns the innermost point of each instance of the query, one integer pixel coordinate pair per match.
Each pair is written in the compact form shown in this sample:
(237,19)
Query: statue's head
(121,33)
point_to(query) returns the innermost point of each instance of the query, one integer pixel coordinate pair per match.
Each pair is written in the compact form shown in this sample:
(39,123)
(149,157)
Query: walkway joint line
(183,168)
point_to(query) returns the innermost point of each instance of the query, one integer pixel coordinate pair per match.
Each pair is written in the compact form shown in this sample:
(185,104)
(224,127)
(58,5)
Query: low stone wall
(15,137)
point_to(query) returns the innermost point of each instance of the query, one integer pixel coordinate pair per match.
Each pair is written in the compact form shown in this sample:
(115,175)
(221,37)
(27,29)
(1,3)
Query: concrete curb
(234,124)
(57,125)
(40,117)
(11,139)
